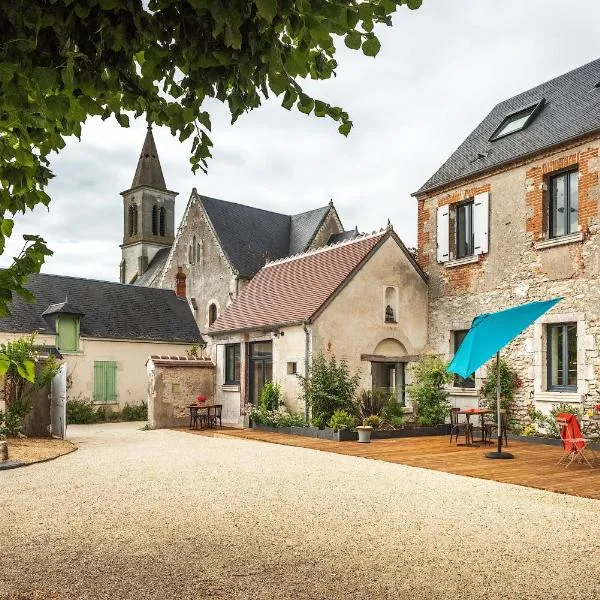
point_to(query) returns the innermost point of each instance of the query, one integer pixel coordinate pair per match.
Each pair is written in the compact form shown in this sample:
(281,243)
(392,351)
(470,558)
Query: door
(58,403)
(389,378)
(261,368)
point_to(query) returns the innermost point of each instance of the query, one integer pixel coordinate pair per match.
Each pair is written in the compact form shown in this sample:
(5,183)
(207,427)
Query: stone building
(512,216)
(363,300)
(219,246)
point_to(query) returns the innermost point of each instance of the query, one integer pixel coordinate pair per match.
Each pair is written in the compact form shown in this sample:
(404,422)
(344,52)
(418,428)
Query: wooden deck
(534,464)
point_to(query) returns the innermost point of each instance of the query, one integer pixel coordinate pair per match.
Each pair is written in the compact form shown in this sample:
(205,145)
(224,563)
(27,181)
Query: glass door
(261,368)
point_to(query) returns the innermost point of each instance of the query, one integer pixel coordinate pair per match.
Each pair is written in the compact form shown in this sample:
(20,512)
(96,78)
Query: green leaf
(27,370)
(122,120)
(4,364)
(267,9)
(6,227)
(320,108)
(414,4)
(305,104)
(289,99)
(278,82)
(345,128)
(353,40)
(371,46)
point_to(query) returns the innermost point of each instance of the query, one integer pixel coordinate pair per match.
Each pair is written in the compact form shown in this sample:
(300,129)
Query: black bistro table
(208,414)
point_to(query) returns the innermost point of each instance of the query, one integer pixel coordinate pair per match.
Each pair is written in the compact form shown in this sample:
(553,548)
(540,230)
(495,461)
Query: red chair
(576,447)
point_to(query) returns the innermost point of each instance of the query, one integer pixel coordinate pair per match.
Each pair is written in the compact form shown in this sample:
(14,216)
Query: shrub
(397,422)
(135,412)
(373,402)
(263,417)
(329,387)
(108,415)
(427,390)
(10,423)
(341,420)
(548,422)
(285,419)
(80,411)
(392,410)
(374,421)
(270,396)
(318,421)
(509,383)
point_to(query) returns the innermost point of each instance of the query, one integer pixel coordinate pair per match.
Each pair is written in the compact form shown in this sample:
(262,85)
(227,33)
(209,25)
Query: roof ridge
(322,249)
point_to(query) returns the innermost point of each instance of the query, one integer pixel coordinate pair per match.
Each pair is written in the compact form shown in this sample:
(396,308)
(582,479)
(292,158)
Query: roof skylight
(517,121)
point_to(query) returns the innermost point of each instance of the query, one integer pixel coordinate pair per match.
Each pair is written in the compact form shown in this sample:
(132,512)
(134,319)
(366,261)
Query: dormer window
(517,121)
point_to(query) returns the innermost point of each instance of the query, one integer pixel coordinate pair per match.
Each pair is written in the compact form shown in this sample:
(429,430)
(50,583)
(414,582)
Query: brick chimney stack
(180,282)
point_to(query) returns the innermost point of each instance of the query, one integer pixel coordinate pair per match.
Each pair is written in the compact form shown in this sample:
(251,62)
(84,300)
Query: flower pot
(364,433)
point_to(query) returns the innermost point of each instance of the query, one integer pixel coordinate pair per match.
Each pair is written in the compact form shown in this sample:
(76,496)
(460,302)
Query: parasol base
(503,455)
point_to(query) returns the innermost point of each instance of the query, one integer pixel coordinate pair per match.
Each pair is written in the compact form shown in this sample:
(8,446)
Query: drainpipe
(306,362)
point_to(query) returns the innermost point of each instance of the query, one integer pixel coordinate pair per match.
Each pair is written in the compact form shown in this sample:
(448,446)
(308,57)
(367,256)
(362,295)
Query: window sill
(458,262)
(459,391)
(70,352)
(569,397)
(572,238)
(231,387)
(102,403)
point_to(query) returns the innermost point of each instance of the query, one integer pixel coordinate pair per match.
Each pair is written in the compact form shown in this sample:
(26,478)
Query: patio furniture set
(467,428)
(205,415)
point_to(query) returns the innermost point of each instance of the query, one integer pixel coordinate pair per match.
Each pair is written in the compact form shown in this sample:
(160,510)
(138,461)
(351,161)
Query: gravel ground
(31,450)
(168,515)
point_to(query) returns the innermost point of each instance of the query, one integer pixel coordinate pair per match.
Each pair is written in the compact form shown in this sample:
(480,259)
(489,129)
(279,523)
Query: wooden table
(206,409)
(468,412)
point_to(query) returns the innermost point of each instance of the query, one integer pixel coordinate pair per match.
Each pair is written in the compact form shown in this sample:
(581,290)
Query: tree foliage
(62,61)
(429,376)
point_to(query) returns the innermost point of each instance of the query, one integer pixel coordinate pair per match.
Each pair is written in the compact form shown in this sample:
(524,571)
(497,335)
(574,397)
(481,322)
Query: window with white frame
(463,229)
(561,357)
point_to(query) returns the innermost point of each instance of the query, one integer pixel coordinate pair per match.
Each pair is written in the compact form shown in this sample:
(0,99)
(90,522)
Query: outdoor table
(195,410)
(468,412)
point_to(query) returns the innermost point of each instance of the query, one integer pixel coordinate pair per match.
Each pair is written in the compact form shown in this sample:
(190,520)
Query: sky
(441,69)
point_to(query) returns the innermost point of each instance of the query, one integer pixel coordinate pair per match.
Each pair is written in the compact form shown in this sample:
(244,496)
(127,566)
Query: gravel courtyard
(167,515)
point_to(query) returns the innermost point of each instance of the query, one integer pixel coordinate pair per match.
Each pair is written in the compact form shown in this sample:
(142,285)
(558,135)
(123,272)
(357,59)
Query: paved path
(167,515)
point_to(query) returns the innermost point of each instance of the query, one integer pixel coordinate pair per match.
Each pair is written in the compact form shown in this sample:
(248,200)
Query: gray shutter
(481,224)
(443,234)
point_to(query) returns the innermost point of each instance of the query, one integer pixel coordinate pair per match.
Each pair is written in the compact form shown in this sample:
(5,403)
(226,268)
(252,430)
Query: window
(389,379)
(462,382)
(155,220)
(190,257)
(563,204)
(464,236)
(194,246)
(105,381)
(562,357)
(67,328)
(292,368)
(212,314)
(162,220)
(232,364)
(132,220)
(517,121)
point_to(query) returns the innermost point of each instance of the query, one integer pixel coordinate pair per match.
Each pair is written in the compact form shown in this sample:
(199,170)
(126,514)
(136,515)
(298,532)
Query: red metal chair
(575,446)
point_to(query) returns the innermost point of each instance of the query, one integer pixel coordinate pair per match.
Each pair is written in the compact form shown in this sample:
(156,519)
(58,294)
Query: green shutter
(68,333)
(105,381)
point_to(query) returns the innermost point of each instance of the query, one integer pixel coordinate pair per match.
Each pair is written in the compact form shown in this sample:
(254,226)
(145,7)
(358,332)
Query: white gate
(58,403)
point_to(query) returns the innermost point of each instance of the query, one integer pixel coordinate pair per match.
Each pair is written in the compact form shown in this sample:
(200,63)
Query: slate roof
(292,290)
(149,171)
(336,238)
(155,268)
(251,236)
(572,110)
(111,310)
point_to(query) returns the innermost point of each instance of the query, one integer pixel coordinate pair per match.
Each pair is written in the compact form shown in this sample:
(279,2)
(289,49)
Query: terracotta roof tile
(293,289)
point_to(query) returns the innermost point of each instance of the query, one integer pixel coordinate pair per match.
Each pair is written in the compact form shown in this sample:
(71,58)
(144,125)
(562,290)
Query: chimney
(180,282)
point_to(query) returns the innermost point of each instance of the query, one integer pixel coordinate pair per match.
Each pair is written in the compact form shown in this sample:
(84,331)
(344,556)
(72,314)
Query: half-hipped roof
(293,290)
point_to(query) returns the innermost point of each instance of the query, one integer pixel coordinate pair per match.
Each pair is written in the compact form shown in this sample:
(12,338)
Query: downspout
(306,362)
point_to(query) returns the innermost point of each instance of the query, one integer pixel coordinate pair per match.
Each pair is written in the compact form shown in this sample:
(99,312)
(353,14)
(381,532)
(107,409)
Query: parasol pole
(498,453)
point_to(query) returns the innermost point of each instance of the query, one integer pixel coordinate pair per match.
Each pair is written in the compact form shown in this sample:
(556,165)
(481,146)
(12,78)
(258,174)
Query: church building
(218,247)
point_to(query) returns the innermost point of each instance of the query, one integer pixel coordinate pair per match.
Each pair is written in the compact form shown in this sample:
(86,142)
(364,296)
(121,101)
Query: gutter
(306,361)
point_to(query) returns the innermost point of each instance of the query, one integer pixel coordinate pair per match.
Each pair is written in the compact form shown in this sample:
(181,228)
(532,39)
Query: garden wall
(173,384)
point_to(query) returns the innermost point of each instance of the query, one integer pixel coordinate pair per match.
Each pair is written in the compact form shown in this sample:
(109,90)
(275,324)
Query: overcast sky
(441,69)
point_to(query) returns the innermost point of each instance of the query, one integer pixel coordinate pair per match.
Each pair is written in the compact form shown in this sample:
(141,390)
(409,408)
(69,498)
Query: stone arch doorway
(388,369)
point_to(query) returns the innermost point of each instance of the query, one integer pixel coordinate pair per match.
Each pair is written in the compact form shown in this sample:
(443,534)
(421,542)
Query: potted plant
(364,433)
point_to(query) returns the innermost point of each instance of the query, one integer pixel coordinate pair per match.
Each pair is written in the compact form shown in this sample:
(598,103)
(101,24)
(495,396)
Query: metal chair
(576,447)
(215,415)
(491,426)
(457,427)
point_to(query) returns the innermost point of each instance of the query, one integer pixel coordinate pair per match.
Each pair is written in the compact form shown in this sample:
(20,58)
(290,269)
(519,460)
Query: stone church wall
(517,270)
(331,225)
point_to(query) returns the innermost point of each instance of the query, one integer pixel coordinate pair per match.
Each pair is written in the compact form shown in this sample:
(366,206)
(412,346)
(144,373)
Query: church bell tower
(148,214)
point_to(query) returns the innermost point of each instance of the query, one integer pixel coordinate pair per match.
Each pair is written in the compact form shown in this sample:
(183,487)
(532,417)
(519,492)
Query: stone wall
(331,225)
(173,384)
(523,266)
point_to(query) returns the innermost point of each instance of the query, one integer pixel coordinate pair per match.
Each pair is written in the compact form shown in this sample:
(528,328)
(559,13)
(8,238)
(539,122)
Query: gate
(58,403)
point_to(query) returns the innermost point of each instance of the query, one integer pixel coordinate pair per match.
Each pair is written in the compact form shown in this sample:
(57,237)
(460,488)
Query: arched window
(199,252)
(391,305)
(190,257)
(162,221)
(132,220)
(155,220)
(212,314)
(194,245)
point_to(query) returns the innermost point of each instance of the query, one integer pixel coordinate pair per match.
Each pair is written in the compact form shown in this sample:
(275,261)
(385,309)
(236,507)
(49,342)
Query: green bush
(373,402)
(10,423)
(397,422)
(318,421)
(135,412)
(548,422)
(80,411)
(258,416)
(373,421)
(284,419)
(329,387)
(270,396)
(509,383)
(427,390)
(392,410)
(106,414)
(341,420)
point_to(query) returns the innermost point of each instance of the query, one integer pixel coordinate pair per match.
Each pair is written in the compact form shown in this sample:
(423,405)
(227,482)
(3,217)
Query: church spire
(149,171)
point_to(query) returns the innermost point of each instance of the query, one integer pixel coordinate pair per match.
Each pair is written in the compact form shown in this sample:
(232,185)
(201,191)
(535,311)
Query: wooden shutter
(68,333)
(443,234)
(481,225)
(105,381)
